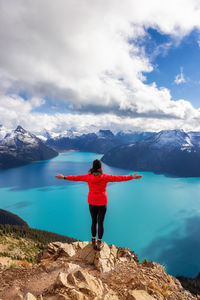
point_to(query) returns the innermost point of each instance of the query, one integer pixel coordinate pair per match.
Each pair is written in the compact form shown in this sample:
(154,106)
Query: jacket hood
(96,177)
(96,173)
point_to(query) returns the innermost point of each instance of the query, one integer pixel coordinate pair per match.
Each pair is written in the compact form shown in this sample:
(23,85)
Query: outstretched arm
(72,178)
(135,176)
(113,178)
(59,176)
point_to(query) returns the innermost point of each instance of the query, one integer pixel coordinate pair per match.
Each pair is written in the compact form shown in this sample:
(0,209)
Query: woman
(97,196)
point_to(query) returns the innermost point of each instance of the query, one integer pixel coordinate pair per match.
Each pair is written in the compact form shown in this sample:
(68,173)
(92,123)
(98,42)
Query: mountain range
(99,142)
(173,152)
(170,152)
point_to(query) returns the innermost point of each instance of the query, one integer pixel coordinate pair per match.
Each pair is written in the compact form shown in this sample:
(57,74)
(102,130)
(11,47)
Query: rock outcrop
(77,271)
(104,260)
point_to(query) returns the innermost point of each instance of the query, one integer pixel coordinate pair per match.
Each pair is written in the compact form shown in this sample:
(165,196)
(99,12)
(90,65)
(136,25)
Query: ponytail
(92,170)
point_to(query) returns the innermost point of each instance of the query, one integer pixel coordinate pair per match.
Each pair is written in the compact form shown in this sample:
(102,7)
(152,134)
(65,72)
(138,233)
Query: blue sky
(108,64)
(183,55)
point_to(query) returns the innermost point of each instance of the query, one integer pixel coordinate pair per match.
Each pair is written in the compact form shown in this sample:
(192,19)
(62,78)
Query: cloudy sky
(109,64)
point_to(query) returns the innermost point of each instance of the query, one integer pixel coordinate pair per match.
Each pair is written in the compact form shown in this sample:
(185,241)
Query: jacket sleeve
(77,177)
(113,178)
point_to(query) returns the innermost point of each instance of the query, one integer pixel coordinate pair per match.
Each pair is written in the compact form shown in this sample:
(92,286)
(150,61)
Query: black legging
(97,211)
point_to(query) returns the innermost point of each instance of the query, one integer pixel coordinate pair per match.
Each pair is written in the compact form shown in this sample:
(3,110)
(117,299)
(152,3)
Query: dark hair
(96,167)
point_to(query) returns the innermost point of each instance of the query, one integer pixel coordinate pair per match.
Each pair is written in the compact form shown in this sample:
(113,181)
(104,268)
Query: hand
(135,176)
(59,176)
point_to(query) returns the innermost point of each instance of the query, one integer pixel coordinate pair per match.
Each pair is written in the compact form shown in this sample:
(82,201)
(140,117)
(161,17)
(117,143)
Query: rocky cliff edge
(76,271)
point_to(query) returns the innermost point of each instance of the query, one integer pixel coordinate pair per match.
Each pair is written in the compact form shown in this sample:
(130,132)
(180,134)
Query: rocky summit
(76,271)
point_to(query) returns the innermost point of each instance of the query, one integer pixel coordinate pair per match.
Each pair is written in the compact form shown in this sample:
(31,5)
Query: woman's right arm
(59,176)
(73,177)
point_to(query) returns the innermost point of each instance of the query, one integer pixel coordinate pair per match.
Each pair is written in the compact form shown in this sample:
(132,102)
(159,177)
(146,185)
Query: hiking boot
(94,243)
(99,245)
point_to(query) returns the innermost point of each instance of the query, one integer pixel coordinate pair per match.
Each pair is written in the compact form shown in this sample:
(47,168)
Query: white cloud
(14,111)
(36,102)
(179,78)
(78,53)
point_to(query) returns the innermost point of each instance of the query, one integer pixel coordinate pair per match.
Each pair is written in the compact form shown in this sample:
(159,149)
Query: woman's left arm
(73,177)
(114,178)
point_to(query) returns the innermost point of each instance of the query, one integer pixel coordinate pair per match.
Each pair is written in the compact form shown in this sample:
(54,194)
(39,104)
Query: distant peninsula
(6,217)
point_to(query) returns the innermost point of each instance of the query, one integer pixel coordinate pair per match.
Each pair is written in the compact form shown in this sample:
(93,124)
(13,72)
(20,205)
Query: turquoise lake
(157,217)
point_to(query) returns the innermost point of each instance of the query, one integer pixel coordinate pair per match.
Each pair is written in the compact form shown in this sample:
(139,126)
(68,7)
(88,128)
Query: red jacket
(97,185)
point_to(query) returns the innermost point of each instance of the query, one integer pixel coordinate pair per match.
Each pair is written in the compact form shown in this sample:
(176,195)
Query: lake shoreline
(71,150)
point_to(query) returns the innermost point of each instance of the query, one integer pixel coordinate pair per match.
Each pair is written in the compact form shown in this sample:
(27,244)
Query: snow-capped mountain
(105,134)
(168,151)
(20,147)
(171,139)
(69,134)
(19,137)
(3,131)
(133,136)
(45,135)
(195,137)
